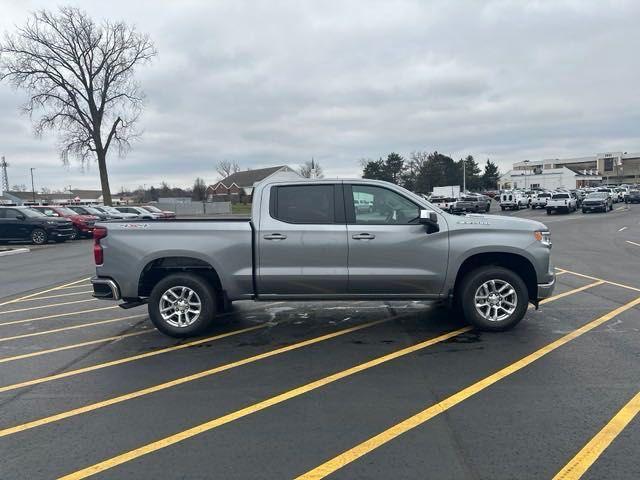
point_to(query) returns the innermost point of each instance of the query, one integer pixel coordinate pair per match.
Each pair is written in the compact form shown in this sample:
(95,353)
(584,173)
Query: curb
(14,251)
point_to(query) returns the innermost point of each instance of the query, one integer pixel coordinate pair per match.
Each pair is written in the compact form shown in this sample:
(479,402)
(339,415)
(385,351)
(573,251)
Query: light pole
(33,189)
(526,165)
(464,176)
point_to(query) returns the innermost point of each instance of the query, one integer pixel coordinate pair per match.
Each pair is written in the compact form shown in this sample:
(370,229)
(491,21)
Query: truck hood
(499,222)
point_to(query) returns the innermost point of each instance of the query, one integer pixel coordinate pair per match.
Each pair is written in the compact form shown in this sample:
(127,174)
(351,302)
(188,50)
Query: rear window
(304,204)
(544,195)
(561,195)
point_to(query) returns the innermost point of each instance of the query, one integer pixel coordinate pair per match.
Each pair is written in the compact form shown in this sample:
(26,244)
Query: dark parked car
(82,224)
(633,197)
(472,204)
(22,223)
(597,202)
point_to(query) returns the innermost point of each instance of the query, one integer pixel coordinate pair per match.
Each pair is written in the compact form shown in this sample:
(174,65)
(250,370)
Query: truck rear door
(302,240)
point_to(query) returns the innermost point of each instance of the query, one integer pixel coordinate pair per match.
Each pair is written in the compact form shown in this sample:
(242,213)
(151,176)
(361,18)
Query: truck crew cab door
(390,252)
(302,241)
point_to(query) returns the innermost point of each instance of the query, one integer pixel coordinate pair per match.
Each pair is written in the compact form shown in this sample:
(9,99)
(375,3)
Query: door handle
(363,236)
(275,236)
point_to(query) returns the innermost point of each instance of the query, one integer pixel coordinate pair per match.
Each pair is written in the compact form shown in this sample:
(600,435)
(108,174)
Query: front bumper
(546,289)
(105,288)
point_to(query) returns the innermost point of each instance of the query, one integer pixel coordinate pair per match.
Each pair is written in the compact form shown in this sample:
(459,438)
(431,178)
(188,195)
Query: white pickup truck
(561,202)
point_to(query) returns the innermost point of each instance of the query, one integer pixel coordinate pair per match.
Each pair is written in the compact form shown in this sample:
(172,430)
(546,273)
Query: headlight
(51,222)
(543,237)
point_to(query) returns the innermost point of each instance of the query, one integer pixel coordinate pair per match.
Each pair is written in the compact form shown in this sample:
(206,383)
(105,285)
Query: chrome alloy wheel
(180,306)
(496,300)
(38,237)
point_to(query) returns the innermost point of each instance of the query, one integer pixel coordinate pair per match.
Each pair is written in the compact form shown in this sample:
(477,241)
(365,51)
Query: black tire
(75,234)
(203,290)
(502,207)
(470,284)
(39,236)
(548,211)
(584,211)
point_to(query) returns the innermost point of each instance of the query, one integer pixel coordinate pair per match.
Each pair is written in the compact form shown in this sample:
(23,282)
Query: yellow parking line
(571,292)
(182,380)
(55,296)
(586,457)
(74,286)
(217,422)
(26,309)
(66,285)
(633,243)
(73,327)
(76,345)
(628,287)
(57,315)
(120,361)
(418,419)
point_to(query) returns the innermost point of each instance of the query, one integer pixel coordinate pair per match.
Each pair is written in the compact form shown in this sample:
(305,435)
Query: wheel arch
(515,262)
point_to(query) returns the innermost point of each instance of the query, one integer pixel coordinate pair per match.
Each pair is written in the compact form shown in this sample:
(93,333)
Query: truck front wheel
(182,305)
(493,298)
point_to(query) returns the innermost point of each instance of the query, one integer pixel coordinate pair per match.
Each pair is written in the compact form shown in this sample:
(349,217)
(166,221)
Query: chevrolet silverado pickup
(305,240)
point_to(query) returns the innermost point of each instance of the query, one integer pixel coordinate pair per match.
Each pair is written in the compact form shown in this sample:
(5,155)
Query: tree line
(424,170)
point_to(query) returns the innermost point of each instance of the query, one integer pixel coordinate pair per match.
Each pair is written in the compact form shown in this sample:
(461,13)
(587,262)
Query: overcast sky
(268,82)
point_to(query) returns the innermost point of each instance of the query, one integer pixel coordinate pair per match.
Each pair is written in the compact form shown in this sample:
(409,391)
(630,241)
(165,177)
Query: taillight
(98,234)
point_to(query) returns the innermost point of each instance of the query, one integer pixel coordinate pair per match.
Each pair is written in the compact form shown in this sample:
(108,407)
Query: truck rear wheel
(182,305)
(493,298)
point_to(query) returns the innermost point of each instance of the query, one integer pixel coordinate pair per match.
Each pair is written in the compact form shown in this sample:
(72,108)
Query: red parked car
(82,224)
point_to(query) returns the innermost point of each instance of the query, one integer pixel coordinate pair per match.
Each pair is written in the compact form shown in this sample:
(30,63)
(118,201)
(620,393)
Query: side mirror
(20,216)
(429,218)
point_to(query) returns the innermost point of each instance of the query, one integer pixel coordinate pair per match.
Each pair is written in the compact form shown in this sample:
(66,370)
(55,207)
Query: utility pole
(4,185)
(33,188)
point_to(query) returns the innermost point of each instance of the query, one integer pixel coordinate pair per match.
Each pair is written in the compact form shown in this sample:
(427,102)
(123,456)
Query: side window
(310,204)
(380,206)
(11,213)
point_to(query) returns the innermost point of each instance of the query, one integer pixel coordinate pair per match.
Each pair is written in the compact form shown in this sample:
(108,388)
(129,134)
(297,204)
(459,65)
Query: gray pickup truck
(305,240)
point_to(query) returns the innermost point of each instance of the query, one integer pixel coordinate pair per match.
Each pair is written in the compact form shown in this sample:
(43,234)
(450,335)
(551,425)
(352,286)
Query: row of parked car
(589,199)
(467,203)
(40,224)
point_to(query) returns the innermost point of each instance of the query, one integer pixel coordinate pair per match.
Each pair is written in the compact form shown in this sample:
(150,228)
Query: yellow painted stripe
(217,422)
(571,292)
(57,315)
(125,457)
(47,297)
(77,345)
(73,327)
(183,380)
(622,285)
(633,243)
(586,457)
(66,285)
(120,361)
(26,309)
(75,286)
(418,419)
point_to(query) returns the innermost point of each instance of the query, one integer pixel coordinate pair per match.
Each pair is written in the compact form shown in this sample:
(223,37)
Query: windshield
(151,208)
(65,211)
(93,211)
(31,213)
(597,195)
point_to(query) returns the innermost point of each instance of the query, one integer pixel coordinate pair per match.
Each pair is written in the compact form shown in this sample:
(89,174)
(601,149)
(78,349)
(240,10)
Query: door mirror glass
(20,216)
(429,219)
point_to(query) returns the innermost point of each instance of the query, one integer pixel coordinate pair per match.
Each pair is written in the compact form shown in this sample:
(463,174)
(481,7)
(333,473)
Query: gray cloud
(265,83)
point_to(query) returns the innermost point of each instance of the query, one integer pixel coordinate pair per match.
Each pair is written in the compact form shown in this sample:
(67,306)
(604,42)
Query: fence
(197,208)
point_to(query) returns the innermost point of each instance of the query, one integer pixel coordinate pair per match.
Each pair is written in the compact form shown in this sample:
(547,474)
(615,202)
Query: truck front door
(390,253)
(302,241)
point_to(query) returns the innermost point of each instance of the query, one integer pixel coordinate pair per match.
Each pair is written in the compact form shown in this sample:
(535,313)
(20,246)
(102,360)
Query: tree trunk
(104,178)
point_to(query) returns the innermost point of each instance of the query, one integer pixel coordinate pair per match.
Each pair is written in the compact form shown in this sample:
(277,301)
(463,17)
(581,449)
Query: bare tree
(311,169)
(226,168)
(79,77)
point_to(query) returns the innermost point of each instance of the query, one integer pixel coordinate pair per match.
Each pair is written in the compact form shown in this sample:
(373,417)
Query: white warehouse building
(602,168)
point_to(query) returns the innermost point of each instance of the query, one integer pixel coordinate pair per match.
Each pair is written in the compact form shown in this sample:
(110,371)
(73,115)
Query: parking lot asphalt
(353,390)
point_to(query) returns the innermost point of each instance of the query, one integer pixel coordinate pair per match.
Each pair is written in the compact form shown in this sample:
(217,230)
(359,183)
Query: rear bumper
(105,289)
